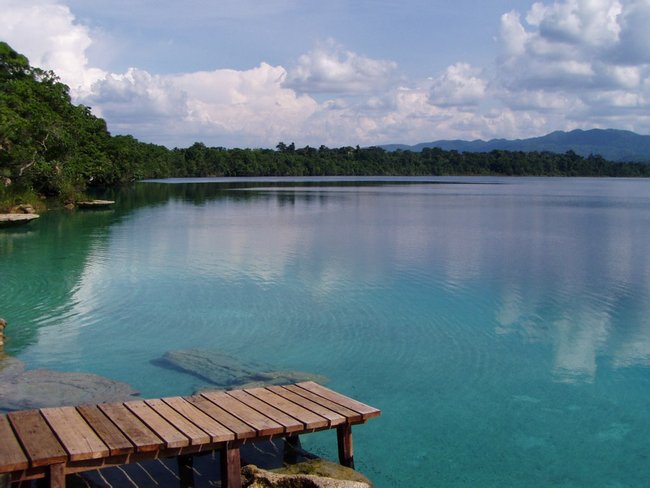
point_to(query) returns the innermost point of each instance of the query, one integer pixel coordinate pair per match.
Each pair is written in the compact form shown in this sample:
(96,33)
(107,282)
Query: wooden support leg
(185,471)
(291,449)
(344,437)
(57,476)
(230,466)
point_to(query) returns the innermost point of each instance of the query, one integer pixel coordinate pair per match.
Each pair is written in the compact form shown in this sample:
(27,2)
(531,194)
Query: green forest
(50,147)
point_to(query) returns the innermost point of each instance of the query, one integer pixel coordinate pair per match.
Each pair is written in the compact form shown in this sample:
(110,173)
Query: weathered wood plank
(350,415)
(132,427)
(217,431)
(309,419)
(187,428)
(289,423)
(116,442)
(366,411)
(262,424)
(40,444)
(162,428)
(12,457)
(334,418)
(76,436)
(240,429)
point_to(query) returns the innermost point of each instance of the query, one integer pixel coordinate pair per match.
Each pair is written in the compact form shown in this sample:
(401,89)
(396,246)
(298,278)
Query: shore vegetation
(52,148)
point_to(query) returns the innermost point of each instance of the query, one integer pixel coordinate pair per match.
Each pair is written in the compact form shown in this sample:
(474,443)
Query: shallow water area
(502,325)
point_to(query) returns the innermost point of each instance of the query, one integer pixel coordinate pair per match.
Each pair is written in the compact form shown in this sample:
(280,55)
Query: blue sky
(252,73)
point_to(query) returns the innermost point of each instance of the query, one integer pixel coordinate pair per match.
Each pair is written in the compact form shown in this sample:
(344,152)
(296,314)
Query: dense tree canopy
(51,147)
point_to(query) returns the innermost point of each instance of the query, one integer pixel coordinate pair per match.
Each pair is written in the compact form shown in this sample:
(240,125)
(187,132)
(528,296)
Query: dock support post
(3,324)
(186,471)
(55,477)
(230,466)
(292,448)
(344,437)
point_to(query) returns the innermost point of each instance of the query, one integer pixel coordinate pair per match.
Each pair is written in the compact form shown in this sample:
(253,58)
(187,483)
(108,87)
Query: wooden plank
(12,457)
(350,415)
(333,417)
(116,442)
(217,431)
(289,423)
(262,424)
(241,429)
(309,419)
(162,428)
(132,427)
(366,411)
(40,444)
(76,436)
(191,431)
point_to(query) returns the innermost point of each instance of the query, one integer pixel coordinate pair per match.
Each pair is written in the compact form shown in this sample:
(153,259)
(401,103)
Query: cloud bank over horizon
(559,65)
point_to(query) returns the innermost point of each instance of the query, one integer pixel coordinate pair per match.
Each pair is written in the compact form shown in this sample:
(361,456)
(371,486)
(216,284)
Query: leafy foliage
(51,147)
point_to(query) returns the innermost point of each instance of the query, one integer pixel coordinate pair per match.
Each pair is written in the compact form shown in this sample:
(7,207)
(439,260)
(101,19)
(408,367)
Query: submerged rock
(227,371)
(20,389)
(254,477)
(10,368)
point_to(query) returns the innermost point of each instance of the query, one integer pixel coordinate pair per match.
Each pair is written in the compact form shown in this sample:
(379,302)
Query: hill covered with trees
(613,144)
(51,147)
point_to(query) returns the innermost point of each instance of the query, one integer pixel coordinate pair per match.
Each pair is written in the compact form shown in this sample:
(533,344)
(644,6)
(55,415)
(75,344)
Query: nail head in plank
(217,432)
(132,427)
(350,415)
(163,429)
(12,457)
(40,444)
(106,430)
(76,436)
(309,419)
(191,431)
(237,426)
(262,424)
(365,410)
(334,418)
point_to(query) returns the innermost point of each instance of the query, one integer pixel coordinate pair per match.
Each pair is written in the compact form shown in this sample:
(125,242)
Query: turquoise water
(502,325)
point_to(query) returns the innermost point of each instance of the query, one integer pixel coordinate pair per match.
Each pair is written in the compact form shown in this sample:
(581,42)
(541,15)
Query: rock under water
(37,388)
(226,371)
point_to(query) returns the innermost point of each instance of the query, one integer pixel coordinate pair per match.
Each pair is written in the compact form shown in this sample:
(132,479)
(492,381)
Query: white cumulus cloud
(578,58)
(47,33)
(461,84)
(563,64)
(330,69)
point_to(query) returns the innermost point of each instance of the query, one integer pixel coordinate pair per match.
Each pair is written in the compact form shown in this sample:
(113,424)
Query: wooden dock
(51,443)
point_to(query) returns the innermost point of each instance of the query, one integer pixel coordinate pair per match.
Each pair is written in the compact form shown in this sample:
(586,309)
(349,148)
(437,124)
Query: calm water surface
(502,325)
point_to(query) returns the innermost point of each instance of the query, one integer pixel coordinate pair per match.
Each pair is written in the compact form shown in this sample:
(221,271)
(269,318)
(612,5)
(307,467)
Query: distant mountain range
(611,144)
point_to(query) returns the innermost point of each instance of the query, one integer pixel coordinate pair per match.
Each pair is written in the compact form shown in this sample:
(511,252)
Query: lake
(502,325)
